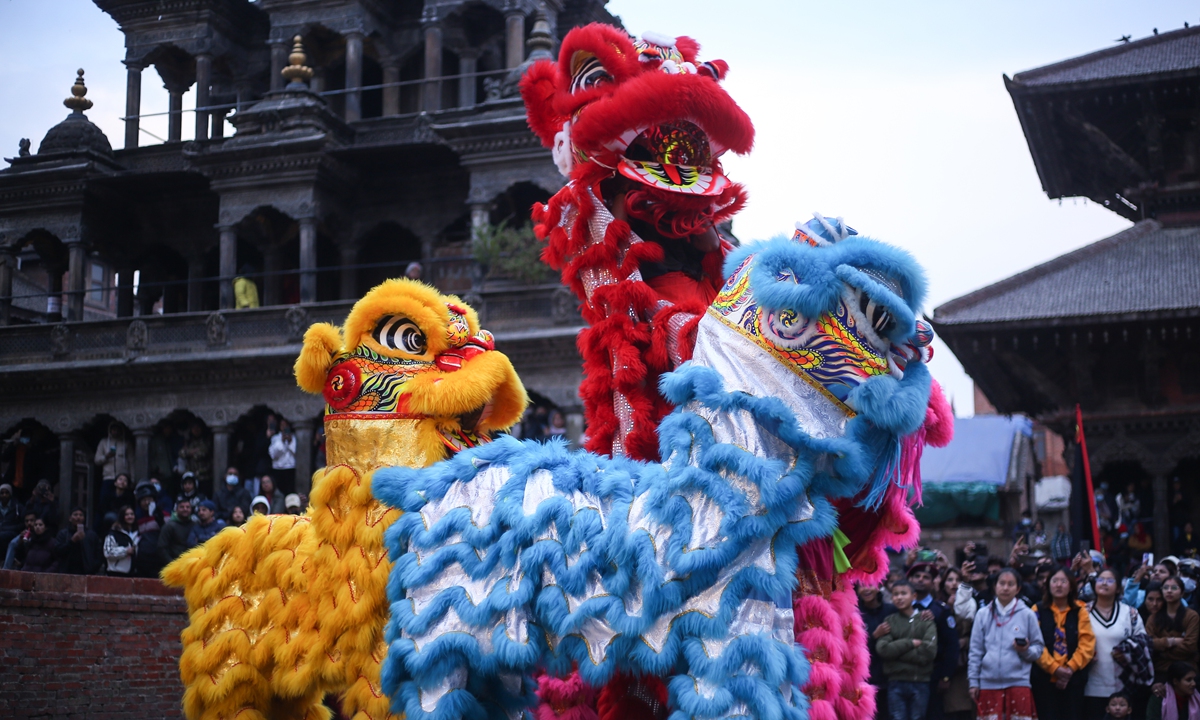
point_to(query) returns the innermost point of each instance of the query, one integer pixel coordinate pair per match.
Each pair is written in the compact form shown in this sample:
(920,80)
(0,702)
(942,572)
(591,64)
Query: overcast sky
(892,115)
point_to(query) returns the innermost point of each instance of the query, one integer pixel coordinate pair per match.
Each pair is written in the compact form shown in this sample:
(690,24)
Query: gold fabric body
(367,445)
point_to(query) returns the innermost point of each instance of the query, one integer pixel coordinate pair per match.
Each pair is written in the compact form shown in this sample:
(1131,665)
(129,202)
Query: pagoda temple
(1114,326)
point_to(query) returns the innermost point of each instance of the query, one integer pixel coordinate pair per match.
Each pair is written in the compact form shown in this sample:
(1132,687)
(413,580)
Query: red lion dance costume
(638,126)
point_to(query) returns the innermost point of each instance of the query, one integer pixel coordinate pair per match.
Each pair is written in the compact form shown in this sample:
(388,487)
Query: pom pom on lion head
(647,110)
(409,353)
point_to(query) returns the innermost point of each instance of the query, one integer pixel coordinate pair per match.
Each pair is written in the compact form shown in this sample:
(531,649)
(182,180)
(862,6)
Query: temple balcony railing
(511,311)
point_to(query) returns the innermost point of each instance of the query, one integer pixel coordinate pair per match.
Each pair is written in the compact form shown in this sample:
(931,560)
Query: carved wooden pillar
(354,71)
(77,260)
(8,263)
(391,95)
(308,260)
(1162,511)
(218,124)
(133,102)
(228,264)
(54,311)
(514,37)
(432,90)
(467,65)
(175,118)
(66,474)
(203,81)
(125,292)
(271,267)
(220,453)
(141,454)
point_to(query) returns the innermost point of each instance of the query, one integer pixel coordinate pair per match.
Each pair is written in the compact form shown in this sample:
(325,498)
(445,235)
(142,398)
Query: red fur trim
(871,533)
(688,48)
(653,98)
(539,85)
(939,418)
(621,698)
(678,215)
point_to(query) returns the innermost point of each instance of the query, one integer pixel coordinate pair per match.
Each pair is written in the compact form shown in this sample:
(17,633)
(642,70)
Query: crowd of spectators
(541,422)
(1034,634)
(142,526)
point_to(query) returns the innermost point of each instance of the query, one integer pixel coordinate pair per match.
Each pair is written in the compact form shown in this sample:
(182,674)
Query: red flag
(1087,476)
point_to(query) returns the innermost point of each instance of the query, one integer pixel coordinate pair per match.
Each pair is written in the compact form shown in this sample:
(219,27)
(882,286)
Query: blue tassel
(887,471)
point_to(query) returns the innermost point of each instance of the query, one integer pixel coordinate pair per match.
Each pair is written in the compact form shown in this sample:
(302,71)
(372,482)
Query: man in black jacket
(173,540)
(920,576)
(77,547)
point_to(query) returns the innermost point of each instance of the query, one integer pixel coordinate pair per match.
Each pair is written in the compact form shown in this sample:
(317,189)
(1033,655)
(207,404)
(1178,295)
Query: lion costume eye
(879,316)
(395,332)
(588,72)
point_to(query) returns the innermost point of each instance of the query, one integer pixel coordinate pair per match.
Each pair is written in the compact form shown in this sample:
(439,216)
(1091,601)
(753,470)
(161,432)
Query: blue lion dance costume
(808,371)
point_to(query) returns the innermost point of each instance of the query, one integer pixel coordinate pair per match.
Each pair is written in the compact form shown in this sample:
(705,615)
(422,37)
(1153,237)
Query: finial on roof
(297,72)
(77,101)
(540,43)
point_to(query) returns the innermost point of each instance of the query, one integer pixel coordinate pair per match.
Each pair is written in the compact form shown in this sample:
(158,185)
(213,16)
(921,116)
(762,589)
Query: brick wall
(91,647)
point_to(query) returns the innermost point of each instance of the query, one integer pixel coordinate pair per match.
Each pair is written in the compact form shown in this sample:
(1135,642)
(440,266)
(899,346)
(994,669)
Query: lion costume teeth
(287,609)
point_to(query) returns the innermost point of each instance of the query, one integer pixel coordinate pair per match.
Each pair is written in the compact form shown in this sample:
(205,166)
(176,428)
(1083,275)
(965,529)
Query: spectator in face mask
(231,494)
(161,498)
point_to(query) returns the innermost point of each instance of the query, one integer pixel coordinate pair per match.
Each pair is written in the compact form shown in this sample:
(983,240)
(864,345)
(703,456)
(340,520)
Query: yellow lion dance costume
(287,609)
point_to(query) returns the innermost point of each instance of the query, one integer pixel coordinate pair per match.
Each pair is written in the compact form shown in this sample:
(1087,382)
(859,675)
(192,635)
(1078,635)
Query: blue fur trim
(563,543)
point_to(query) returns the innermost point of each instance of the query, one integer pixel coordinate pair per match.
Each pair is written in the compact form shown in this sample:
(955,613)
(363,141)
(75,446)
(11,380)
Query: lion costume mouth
(676,157)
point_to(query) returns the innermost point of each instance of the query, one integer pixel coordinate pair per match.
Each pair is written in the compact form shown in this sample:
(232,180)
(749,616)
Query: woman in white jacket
(121,544)
(283,457)
(1005,642)
(1112,622)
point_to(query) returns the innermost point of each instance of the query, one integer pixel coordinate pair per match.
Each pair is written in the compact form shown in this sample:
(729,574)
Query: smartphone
(1085,546)
(926,555)
(1148,559)
(1021,641)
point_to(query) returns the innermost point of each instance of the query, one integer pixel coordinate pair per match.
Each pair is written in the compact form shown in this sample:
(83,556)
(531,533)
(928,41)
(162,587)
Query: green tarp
(945,501)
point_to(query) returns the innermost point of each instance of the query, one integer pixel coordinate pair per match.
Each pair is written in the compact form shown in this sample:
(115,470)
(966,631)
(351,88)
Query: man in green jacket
(908,648)
(173,540)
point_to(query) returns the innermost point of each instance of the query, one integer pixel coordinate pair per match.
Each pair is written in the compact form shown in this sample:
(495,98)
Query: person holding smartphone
(1005,642)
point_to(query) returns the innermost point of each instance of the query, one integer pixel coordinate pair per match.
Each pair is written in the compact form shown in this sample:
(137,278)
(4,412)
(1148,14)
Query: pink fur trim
(939,418)
(572,695)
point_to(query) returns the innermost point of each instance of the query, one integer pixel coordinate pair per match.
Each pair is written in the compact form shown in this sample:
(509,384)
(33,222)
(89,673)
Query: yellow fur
(321,343)
(288,608)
